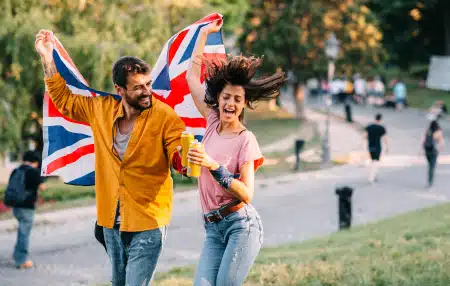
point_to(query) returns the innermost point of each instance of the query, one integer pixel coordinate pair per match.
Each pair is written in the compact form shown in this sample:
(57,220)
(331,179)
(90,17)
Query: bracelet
(222,176)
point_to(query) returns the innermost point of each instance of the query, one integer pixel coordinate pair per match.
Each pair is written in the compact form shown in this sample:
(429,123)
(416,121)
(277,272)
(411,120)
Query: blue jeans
(432,159)
(230,248)
(26,219)
(134,255)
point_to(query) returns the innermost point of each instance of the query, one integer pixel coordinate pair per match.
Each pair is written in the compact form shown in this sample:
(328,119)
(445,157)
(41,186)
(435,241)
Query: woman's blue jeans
(230,248)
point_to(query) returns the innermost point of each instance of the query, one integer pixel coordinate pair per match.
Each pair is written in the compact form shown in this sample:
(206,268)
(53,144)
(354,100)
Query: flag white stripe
(73,69)
(69,126)
(64,151)
(79,91)
(187,108)
(77,169)
(196,130)
(214,49)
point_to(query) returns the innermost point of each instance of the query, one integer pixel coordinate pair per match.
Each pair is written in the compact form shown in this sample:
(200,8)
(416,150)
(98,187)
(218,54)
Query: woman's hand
(213,27)
(199,157)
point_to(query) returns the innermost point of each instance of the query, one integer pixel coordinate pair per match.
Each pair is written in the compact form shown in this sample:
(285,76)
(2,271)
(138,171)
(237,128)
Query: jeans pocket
(237,215)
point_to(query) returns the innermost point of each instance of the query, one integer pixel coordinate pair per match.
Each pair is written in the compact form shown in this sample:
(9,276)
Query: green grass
(271,125)
(424,98)
(411,249)
(58,191)
(58,196)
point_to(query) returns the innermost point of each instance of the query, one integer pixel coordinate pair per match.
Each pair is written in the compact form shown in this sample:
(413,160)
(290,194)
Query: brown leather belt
(219,214)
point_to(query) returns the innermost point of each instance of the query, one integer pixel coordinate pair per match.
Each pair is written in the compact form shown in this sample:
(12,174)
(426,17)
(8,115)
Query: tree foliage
(95,33)
(291,35)
(413,30)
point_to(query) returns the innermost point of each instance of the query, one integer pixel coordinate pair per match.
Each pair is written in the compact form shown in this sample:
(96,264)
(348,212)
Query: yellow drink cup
(194,170)
(186,139)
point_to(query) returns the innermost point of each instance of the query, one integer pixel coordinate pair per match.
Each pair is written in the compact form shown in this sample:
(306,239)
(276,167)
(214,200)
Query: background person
(432,142)
(374,136)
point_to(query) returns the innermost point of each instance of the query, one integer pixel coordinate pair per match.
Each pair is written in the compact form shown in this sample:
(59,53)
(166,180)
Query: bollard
(298,149)
(344,207)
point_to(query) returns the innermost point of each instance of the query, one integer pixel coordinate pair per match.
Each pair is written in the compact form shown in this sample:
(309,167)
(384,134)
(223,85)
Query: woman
(233,227)
(432,140)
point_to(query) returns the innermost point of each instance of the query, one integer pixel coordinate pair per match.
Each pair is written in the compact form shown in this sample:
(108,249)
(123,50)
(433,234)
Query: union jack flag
(69,145)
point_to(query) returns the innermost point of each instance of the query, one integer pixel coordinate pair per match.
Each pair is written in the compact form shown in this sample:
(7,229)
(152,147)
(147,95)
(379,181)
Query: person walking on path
(136,140)
(229,159)
(25,181)
(374,136)
(399,90)
(432,142)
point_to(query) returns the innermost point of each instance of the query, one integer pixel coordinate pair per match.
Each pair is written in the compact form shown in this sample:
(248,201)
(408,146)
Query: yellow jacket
(141,181)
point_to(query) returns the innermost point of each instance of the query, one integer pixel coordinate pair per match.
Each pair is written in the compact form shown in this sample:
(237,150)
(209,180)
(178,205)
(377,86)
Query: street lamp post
(331,51)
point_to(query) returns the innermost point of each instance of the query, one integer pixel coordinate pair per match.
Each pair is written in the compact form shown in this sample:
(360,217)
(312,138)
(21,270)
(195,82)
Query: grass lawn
(410,249)
(424,98)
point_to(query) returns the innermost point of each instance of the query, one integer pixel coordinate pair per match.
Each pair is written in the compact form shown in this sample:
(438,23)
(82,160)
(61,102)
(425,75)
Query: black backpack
(429,144)
(16,193)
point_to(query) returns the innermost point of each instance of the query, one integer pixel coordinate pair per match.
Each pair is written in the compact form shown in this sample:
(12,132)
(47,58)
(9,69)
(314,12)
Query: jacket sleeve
(74,106)
(172,134)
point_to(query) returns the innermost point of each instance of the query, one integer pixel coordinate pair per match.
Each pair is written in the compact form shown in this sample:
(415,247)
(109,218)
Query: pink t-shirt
(231,151)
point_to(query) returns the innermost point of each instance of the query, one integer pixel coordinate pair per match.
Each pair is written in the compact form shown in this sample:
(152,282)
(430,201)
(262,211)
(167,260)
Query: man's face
(138,93)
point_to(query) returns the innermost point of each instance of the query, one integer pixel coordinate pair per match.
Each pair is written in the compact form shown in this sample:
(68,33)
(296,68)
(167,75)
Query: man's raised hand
(45,44)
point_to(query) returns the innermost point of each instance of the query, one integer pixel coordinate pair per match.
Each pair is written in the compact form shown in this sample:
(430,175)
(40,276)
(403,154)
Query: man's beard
(134,102)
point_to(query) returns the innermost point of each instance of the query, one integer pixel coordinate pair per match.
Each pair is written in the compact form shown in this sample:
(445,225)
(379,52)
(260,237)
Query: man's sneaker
(27,264)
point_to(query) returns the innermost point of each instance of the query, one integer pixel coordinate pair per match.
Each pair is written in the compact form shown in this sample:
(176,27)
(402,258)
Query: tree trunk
(299,99)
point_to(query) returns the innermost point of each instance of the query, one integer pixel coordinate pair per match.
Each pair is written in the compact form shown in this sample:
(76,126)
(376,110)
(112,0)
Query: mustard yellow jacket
(141,181)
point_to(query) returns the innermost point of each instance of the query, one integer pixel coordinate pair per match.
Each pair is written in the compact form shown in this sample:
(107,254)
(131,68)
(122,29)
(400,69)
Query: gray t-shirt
(120,144)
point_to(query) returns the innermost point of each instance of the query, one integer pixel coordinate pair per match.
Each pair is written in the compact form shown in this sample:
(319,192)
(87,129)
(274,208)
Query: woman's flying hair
(240,70)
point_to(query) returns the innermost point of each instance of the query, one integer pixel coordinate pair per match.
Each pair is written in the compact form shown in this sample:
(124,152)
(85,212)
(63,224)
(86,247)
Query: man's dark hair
(126,66)
(31,156)
(434,126)
(240,70)
(378,117)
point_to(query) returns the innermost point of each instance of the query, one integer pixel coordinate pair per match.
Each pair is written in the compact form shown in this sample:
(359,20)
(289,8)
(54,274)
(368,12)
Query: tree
(291,35)
(413,30)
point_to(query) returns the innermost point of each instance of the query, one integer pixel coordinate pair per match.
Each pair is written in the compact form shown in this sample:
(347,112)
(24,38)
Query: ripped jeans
(134,255)
(230,248)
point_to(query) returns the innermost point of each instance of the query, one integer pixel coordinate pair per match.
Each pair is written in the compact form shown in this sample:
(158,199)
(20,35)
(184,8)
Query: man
(24,210)
(374,134)
(399,90)
(360,89)
(135,140)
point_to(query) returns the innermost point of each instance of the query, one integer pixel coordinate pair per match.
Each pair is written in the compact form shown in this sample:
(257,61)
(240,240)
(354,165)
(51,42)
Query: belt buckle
(214,214)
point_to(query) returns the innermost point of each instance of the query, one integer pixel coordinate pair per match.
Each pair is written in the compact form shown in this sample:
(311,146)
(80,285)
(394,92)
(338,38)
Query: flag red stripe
(54,112)
(209,18)
(179,90)
(69,158)
(176,44)
(194,122)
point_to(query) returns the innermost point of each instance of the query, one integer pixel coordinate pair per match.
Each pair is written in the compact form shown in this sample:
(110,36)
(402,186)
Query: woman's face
(231,103)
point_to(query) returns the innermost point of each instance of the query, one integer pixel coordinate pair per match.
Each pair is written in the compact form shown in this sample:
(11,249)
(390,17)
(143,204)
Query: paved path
(293,208)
